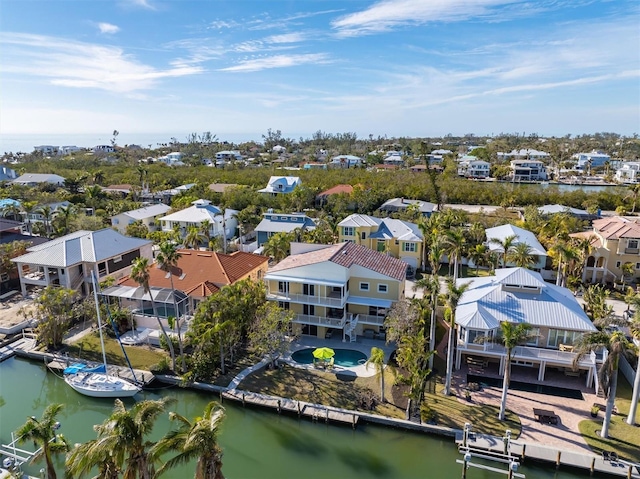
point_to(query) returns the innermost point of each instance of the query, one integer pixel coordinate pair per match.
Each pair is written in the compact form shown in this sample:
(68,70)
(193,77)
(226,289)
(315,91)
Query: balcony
(631,250)
(320,320)
(371,320)
(526,353)
(333,300)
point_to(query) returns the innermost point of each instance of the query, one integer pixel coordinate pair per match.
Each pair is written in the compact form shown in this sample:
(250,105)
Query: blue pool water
(344,357)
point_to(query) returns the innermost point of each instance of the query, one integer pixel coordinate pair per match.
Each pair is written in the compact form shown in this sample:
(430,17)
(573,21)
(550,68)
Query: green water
(256,444)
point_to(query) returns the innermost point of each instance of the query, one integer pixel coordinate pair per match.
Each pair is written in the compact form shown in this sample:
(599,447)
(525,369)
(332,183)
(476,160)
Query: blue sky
(391,67)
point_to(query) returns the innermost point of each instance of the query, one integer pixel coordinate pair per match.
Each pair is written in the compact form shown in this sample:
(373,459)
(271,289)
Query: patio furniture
(545,416)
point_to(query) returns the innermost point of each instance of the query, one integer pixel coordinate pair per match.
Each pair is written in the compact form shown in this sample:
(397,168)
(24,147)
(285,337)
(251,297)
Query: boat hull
(101,385)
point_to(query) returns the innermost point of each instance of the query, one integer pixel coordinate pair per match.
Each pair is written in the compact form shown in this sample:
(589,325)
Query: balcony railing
(631,250)
(527,353)
(308,299)
(370,319)
(320,320)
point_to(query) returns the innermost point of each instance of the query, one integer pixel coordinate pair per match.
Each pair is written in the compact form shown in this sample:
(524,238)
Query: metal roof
(363,301)
(523,236)
(148,211)
(160,295)
(492,300)
(81,246)
(356,220)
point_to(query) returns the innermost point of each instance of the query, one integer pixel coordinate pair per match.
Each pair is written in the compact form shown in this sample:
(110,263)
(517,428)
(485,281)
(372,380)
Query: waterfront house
(586,161)
(471,167)
(396,205)
(519,295)
(500,233)
(69,260)
(346,289)
(281,185)
(396,238)
(46,150)
(528,170)
(200,211)
(628,173)
(148,215)
(524,154)
(35,179)
(196,276)
(273,223)
(615,241)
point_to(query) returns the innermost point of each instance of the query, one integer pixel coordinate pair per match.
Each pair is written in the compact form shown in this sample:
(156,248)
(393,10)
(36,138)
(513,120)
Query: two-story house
(281,185)
(528,170)
(396,238)
(593,159)
(344,288)
(396,205)
(196,215)
(615,241)
(148,215)
(519,295)
(471,167)
(273,223)
(629,173)
(69,260)
(500,233)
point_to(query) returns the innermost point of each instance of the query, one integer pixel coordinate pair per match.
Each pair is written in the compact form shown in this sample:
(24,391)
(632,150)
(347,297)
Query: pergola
(137,299)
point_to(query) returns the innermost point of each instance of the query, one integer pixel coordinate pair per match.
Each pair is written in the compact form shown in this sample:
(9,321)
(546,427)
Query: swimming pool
(347,358)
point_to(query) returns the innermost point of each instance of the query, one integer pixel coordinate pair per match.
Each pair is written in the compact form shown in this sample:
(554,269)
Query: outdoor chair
(329,365)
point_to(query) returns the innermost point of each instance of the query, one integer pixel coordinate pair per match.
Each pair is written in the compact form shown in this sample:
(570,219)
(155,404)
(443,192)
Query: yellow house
(345,289)
(615,241)
(396,238)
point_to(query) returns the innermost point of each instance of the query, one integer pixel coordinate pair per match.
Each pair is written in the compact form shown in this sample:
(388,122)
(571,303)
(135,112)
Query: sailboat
(96,381)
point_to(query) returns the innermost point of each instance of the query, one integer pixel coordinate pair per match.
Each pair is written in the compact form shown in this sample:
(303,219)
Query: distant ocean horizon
(26,142)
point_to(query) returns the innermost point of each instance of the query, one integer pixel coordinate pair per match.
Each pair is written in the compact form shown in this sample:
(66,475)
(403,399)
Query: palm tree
(46,212)
(84,457)
(634,329)
(563,254)
(455,246)
(478,255)
(627,272)
(43,433)
(616,344)
(140,274)
(123,436)
(98,177)
(63,216)
(28,208)
(376,359)
(93,194)
(521,255)
(277,247)
(505,245)
(205,231)
(195,440)
(634,192)
(511,335)
(167,259)
(193,238)
(454,293)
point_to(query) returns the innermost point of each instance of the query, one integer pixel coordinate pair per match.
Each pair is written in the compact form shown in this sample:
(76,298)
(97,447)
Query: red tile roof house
(198,275)
(344,288)
(321,198)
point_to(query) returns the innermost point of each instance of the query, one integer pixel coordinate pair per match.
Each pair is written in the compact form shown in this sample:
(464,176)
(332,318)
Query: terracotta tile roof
(595,240)
(338,189)
(347,255)
(202,273)
(616,228)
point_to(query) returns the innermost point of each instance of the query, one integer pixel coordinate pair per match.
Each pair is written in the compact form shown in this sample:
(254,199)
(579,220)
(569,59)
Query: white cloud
(138,3)
(387,14)
(108,28)
(277,61)
(286,38)
(81,65)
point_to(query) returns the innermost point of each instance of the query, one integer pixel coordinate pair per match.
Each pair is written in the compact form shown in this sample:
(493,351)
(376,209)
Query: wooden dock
(315,412)
(11,348)
(562,459)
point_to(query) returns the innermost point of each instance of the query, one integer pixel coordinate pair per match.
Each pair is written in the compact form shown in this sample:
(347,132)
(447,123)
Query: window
(309,309)
(284,218)
(283,287)
(283,305)
(637,265)
(117,259)
(558,337)
(308,289)
(409,247)
(617,264)
(632,244)
(534,341)
(363,235)
(364,286)
(382,288)
(348,231)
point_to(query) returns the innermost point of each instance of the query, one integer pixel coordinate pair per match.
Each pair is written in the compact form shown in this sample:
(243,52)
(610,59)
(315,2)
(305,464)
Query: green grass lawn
(141,357)
(623,438)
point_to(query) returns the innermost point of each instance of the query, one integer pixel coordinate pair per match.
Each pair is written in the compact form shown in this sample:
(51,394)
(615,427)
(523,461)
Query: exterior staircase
(350,328)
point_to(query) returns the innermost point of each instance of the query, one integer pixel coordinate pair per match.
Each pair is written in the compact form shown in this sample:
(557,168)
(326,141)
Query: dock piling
(558,460)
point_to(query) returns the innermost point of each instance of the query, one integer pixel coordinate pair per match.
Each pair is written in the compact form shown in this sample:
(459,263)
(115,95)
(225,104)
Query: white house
(46,150)
(281,185)
(629,173)
(345,161)
(524,154)
(528,170)
(148,215)
(473,168)
(7,174)
(590,160)
(34,179)
(500,233)
(103,149)
(172,159)
(519,295)
(69,260)
(202,210)
(229,155)
(66,150)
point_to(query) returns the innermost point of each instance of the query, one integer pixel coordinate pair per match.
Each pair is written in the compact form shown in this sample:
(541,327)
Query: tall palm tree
(63,216)
(193,238)
(98,177)
(634,329)
(93,194)
(205,231)
(478,255)
(634,192)
(195,440)
(84,457)
(505,245)
(455,245)
(627,272)
(43,433)
(47,213)
(140,274)
(563,254)
(27,209)
(167,258)
(510,336)
(522,255)
(278,246)
(453,294)
(124,436)
(376,359)
(616,344)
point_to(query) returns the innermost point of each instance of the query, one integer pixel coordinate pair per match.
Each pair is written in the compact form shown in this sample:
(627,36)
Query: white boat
(97,382)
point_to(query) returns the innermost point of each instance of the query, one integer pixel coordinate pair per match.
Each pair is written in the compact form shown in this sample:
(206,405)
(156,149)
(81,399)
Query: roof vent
(182,276)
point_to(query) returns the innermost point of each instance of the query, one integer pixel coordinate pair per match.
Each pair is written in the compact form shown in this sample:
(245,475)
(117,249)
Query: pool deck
(362,344)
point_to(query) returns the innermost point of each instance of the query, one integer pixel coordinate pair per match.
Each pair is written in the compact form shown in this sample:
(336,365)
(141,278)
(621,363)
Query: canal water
(256,444)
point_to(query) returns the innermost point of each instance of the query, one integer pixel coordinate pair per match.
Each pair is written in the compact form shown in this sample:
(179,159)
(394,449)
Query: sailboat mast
(95,297)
